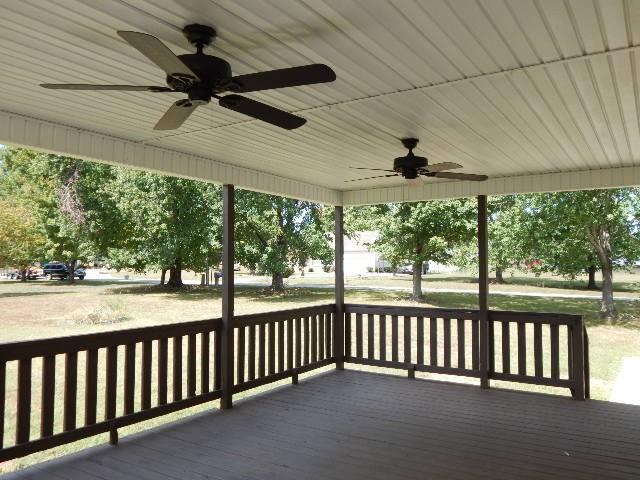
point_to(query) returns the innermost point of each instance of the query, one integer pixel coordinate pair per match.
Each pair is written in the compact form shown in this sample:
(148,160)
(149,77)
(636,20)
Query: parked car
(60,271)
(408,269)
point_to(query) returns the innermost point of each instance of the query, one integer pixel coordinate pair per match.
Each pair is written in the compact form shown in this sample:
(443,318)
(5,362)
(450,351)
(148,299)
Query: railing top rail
(535,317)
(266,317)
(457,313)
(74,343)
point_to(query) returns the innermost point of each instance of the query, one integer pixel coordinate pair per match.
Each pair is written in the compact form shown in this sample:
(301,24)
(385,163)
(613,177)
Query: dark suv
(59,270)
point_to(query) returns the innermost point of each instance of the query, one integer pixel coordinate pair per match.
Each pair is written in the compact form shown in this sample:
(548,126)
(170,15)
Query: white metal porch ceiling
(529,92)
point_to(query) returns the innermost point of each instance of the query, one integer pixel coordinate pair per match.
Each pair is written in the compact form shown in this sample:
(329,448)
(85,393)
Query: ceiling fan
(412,166)
(203,77)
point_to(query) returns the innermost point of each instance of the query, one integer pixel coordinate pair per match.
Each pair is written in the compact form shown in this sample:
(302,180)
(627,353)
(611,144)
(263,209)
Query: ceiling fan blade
(262,111)
(369,178)
(373,169)
(156,51)
(458,176)
(285,77)
(439,167)
(176,115)
(125,88)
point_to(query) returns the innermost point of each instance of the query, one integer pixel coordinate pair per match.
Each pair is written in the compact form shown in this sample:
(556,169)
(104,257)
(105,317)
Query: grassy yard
(48,308)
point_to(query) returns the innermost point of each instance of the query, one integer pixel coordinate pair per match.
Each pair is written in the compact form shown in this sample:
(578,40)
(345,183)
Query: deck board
(357,425)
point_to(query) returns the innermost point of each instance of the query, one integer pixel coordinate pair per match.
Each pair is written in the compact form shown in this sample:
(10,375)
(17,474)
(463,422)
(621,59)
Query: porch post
(338,324)
(483,291)
(228,219)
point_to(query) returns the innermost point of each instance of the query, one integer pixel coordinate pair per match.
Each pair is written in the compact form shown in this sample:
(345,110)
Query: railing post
(486,337)
(578,352)
(338,324)
(228,219)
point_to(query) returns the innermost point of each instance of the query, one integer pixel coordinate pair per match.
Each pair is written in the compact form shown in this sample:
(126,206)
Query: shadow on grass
(30,294)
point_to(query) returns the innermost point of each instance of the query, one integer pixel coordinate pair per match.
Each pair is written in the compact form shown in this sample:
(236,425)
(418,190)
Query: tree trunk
(163,276)
(417,280)
(591,285)
(71,270)
(175,275)
(499,277)
(23,275)
(607,308)
(277,282)
(601,240)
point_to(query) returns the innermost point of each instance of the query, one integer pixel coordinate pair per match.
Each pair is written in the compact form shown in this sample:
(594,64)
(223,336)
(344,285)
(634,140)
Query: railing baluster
(307,340)
(177,368)
(3,389)
(191,365)
(262,345)
(23,413)
(314,338)
(522,349)
(462,357)
(407,339)
(48,395)
(205,340)
(91,387)
(383,337)
(272,348)
(394,338)
(555,351)
(447,341)
(321,335)
(420,341)
(290,325)
(217,361)
(359,335)
(298,342)
(475,344)
(240,356)
(433,341)
(110,394)
(145,375)
(537,349)
(370,336)
(129,377)
(281,346)
(328,333)
(347,335)
(506,348)
(70,390)
(569,352)
(163,360)
(252,352)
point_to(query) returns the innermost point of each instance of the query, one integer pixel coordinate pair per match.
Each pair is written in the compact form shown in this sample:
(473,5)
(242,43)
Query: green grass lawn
(45,309)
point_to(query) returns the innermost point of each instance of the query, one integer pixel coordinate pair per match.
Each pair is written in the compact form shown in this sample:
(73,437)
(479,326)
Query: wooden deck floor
(355,425)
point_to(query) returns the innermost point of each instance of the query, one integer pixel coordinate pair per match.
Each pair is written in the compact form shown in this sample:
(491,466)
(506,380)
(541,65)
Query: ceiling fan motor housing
(408,166)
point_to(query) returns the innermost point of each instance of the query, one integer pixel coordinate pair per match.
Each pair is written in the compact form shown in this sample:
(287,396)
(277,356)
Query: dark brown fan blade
(440,167)
(369,178)
(458,176)
(125,88)
(285,77)
(262,111)
(156,51)
(373,169)
(176,115)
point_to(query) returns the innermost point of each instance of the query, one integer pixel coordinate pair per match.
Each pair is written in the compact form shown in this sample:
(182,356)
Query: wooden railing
(172,367)
(416,339)
(541,349)
(43,365)
(536,348)
(128,376)
(277,345)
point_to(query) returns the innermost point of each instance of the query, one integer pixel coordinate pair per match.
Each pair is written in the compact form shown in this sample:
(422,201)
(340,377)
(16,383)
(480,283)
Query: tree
(424,231)
(275,234)
(168,223)
(585,230)
(21,238)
